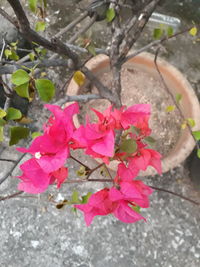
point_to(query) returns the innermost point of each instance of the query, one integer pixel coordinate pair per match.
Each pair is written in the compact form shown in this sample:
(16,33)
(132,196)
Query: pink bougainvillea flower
(49,155)
(35,180)
(119,202)
(106,121)
(98,144)
(144,158)
(52,148)
(126,173)
(133,191)
(131,116)
(63,116)
(98,204)
(143,126)
(125,213)
(59,175)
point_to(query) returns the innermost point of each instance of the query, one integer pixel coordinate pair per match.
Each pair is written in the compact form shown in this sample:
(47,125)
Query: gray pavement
(35,233)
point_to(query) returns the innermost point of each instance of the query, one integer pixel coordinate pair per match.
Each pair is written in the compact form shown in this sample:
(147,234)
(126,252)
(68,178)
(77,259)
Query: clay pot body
(176,83)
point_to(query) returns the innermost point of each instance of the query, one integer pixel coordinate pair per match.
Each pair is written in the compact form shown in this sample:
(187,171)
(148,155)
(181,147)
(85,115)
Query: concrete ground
(34,232)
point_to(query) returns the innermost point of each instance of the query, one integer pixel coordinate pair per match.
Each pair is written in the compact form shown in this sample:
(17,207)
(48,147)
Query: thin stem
(2,50)
(93,170)
(82,30)
(172,97)
(72,24)
(11,196)
(108,172)
(77,98)
(8,160)
(81,163)
(8,17)
(175,194)
(12,169)
(155,43)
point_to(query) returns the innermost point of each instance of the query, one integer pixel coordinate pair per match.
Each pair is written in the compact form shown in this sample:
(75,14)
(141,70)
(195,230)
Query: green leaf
(85,198)
(198,153)
(18,133)
(13,55)
(136,208)
(150,140)
(20,77)
(178,98)
(35,134)
(128,146)
(23,90)
(1,133)
(7,53)
(196,135)
(193,31)
(75,197)
(14,44)
(13,114)
(191,122)
(40,26)
(170,31)
(32,5)
(110,14)
(32,56)
(45,88)
(2,113)
(157,33)
(91,49)
(170,108)
(2,122)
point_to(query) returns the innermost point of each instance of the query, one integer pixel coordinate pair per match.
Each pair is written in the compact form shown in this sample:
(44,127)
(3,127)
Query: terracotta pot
(177,83)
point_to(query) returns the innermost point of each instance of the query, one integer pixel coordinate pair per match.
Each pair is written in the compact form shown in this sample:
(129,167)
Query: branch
(8,17)
(29,34)
(137,27)
(8,160)
(155,43)
(175,194)
(12,169)
(58,47)
(11,196)
(104,92)
(82,30)
(72,24)
(77,98)
(10,67)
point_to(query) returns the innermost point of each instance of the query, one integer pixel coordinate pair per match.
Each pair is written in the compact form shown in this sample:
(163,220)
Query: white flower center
(38,155)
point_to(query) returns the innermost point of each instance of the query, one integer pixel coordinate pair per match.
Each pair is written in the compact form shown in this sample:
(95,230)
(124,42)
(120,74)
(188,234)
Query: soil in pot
(141,87)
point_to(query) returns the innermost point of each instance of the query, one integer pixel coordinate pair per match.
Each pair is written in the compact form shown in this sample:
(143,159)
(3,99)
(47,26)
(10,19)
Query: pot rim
(189,103)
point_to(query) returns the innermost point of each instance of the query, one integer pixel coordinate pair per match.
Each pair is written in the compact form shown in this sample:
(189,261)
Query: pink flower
(35,180)
(144,158)
(49,154)
(52,148)
(125,213)
(59,175)
(97,138)
(98,204)
(131,116)
(135,192)
(126,173)
(120,202)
